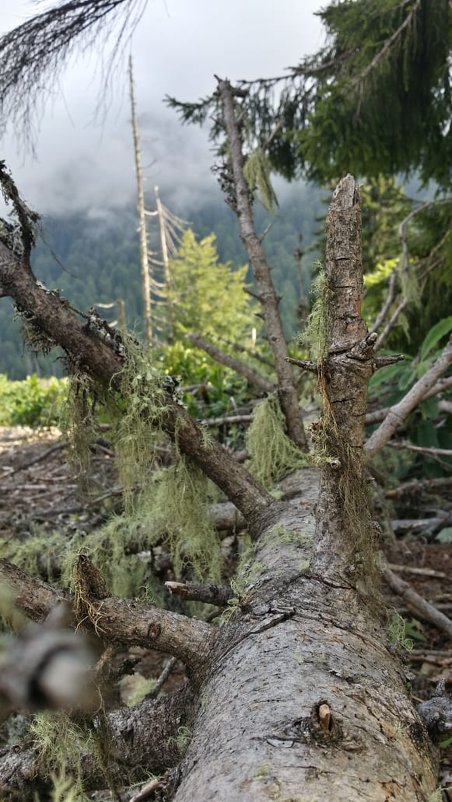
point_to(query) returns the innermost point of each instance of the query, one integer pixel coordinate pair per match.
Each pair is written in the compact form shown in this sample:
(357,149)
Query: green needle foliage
(374,100)
(209,297)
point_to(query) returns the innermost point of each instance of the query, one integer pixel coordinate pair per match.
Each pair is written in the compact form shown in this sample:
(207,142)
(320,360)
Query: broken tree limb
(383,336)
(287,391)
(232,362)
(120,620)
(441,386)
(209,594)
(304,364)
(345,368)
(397,413)
(383,361)
(134,624)
(416,603)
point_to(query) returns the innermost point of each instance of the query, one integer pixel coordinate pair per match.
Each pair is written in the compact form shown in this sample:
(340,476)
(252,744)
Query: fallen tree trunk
(300,695)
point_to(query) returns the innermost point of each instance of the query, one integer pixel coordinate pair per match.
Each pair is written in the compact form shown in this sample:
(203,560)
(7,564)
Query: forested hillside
(97,260)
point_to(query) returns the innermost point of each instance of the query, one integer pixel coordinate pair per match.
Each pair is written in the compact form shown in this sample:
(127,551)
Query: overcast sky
(84,163)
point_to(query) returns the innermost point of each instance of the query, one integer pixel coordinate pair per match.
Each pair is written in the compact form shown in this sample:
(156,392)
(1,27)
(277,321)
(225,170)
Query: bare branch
(419,486)
(438,452)
(227,420)
(209,594)
(387,302)
(166,673)
(383,361)
(232,362)
(397,413)
(390,324)
(304,364)
(286,384)
(33,55)
(131,623)
(440,387)
(416,603)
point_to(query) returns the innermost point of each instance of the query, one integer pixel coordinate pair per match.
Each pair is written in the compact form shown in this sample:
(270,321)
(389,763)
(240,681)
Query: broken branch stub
(344,531)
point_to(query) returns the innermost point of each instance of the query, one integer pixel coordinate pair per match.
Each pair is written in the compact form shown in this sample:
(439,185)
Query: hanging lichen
(171,504)
(411,289)
(177,510)
(60,743)
(111,550)
(273,455)
(314,337)
(138,431)
(35,555)
(78,425)
(257,175)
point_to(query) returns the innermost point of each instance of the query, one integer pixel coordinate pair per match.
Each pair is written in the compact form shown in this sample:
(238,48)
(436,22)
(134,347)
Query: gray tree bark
(287,390)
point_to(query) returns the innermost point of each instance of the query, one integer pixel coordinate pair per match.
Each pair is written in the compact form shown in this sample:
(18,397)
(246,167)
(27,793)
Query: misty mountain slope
(98,261)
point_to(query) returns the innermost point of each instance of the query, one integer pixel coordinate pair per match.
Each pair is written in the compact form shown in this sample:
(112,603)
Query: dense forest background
(96,260)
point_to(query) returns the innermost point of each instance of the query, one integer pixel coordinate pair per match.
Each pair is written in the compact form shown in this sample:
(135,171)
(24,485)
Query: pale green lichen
(257,175)
(34,553)
(396,632)
(64,790)
(314,337)
(281,534)
(272,454)
(181,739)
(78,425)
(177,508)
(59,743)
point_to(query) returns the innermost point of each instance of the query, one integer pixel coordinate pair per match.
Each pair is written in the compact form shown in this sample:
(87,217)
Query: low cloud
(86,164)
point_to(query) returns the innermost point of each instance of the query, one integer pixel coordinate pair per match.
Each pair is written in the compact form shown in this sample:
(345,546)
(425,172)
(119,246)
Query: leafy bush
(32,402)
(426,426)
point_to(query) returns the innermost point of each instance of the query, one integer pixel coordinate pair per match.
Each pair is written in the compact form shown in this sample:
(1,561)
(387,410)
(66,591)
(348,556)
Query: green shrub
(32,402)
